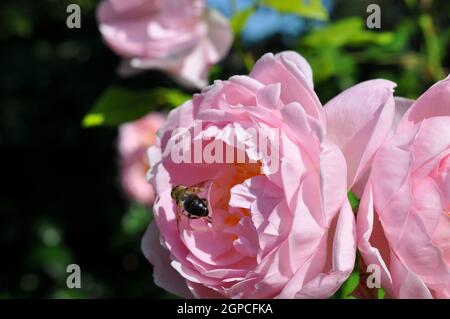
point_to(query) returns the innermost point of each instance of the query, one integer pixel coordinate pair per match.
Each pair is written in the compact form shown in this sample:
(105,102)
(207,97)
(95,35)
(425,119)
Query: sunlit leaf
(170,97)
(349,285)
(381,293)
(354,201)
(118,105)
(391,53)
(239,19)
(350,31)
(330,62)
(313,9)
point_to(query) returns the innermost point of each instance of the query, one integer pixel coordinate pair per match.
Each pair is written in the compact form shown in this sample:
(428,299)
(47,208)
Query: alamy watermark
(73,280)
(374,279)
(73,20)
(374,19)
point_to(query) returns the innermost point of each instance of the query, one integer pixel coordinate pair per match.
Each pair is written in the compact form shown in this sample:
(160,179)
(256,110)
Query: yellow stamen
(232,220)
(145,167)
(245,212)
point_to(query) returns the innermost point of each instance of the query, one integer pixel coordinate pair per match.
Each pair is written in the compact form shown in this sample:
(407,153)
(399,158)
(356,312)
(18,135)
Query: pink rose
(180,37)
(281,224)
(403,223)
(134,140)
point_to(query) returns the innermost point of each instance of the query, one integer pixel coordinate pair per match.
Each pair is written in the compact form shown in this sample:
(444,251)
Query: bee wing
(179,214)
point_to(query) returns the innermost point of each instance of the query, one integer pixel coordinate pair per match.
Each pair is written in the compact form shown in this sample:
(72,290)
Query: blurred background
(62,201)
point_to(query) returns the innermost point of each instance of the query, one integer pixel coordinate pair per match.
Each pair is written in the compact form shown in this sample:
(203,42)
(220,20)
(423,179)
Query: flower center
(225,217)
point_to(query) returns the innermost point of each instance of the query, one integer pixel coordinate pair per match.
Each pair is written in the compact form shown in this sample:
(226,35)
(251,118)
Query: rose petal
(164,275)
(274,69)
(358,121)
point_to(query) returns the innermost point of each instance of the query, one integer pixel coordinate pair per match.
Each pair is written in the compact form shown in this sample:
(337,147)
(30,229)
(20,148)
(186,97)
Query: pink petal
(333,172)
(407,285)
(359,120)
(432,103)
(432,140)
(200,291)
(372,253)
(269,96)
(297,64)
(322,283)
(294,88)
(417,250)
(395,163)
(402,105)
(220,37)
(343,259)
(308,226)
(165,276)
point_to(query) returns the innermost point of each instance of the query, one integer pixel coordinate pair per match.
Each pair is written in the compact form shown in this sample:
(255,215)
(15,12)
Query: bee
(190,204)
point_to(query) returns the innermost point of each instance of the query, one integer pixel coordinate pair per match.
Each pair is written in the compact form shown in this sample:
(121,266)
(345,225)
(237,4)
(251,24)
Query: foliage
(309,9)
(118,105)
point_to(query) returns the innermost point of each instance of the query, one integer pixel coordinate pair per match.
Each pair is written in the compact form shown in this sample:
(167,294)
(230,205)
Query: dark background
(61,201)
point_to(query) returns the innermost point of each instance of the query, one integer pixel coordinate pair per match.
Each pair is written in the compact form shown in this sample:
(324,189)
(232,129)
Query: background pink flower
(403,223)
(283,234)
(179,37)
(134,140)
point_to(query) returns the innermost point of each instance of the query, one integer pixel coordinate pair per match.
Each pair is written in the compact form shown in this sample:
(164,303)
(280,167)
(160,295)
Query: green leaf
(346,32)
(354,201)
(66,293)
(411,3)
(171,97)
(331,62)
(15,22)
(53,259)
(349,285)
(119,105)
(136,219)
(432,45)
(313,9)
(239,19)
(394,52)
(381,293)
(215,72)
